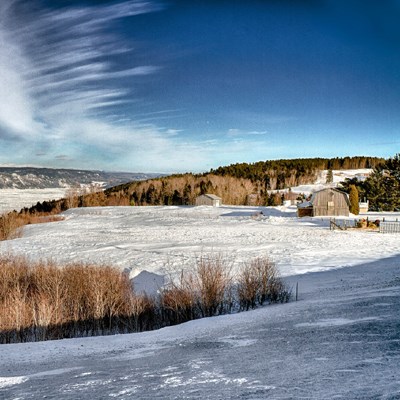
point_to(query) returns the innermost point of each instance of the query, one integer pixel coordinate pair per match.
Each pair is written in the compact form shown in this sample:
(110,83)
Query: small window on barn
(331,204)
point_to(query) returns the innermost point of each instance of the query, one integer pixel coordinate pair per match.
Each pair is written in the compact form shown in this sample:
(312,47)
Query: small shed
(326,202)
(252,199)
(363,206)
(291,196)
(208,200)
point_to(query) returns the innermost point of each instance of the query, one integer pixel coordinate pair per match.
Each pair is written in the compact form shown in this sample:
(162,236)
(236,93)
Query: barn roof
(333,189)
(309,203)
(211,196)
(305,204)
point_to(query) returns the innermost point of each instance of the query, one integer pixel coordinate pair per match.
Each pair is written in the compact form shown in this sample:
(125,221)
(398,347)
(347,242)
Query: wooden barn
(326,202)
(208,200)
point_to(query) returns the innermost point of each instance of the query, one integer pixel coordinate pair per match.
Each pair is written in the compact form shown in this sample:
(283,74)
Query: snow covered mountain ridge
(41,178)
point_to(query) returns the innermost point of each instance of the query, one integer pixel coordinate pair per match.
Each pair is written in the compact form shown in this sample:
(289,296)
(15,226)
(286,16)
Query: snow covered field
(16,199)
(341,340)
(166,239)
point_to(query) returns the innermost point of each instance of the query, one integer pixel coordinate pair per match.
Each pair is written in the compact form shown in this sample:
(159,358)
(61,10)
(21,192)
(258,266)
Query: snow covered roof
(305,204)
(211,196)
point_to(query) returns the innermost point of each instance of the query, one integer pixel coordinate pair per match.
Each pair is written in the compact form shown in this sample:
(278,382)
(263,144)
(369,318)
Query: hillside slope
(246,184)
(43,178)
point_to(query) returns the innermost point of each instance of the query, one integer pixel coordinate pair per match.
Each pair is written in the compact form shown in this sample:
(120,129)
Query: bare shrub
(248,287)
(14,292)
(178,300)
(37,297)
(72,195)
(10,226)
(258,282)
(211,282)
(41,301)
(142,313)
(279,292)
(11,223)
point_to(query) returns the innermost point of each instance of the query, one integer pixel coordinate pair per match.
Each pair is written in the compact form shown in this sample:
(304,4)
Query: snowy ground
(167,239)
(337,175)
(16,199)
(340,341)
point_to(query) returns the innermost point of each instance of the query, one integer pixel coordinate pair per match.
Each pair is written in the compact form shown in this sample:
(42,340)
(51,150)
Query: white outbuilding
(208,200)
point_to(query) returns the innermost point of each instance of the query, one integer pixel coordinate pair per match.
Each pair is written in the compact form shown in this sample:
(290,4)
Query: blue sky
(178,86)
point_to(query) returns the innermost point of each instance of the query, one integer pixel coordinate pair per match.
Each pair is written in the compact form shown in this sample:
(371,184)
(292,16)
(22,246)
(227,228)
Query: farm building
(363,206)
(325,202)
(291,197)
(252,199)
(208,200)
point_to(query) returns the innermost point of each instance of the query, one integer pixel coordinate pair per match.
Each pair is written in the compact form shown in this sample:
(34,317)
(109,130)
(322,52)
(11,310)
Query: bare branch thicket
(212,280)
(72,195)
(178,300)
(41,301)
(258,282)
(10,226)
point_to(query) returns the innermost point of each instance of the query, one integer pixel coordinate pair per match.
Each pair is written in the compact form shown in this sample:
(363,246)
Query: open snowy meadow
(16,199)
(167,239)
(340,340)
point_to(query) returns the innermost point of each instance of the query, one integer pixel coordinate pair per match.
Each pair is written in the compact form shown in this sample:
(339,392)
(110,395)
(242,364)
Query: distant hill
(262,183)
(239,184)
(280,174)
(42,178)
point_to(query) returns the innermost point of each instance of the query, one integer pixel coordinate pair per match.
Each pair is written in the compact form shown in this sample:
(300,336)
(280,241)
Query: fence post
(297,290)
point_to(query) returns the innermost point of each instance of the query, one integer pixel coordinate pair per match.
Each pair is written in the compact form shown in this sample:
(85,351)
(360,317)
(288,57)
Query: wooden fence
(389,227)
(384,226)
(341,224)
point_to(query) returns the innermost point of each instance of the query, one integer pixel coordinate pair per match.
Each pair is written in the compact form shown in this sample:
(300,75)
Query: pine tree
(354,206)
(383,186)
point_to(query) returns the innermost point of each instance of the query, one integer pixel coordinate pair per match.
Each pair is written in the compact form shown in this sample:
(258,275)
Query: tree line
(237,184)
(280,174)
(381,188)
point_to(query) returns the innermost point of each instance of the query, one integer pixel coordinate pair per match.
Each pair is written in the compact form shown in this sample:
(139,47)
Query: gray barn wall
(330,203)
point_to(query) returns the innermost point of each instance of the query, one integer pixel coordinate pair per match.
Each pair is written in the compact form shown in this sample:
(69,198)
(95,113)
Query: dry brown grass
(179,299)
(203,292)
(212,282)
(258,282)
(10,226)
(211,289)
(36,297)
(11,223)
(41,301)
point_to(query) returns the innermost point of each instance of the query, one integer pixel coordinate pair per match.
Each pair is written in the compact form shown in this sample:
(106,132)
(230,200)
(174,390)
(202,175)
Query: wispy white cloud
(16,109)
(62,157)
(56,75)
(234,132)
(62,95)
